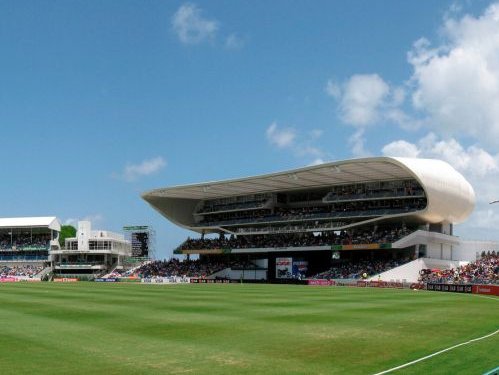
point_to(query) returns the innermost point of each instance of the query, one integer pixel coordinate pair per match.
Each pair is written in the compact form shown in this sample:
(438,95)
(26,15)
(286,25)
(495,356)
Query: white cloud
(280,137)
(456,84)
(401,148)
(357,142)
(361,99)
(365,100)
(317,161)
(301,145)
(306,149)
(148,167)
(453,91)
(190,26)
(316,133)
(95,219)
(233,41)
(472,161)
(333,89)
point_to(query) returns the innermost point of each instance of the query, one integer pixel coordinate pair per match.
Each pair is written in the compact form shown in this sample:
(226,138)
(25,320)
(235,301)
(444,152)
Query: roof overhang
(450,197)
(50,222)
(323,175)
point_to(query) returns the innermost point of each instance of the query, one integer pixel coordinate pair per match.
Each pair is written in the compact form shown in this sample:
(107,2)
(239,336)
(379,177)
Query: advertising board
(284,268)
(65,280)
(453,288)
(491,290)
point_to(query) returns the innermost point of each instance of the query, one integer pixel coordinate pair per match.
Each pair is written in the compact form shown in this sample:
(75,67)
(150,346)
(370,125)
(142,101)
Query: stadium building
(25,243)
(92,253)
(393,211)
(28,239)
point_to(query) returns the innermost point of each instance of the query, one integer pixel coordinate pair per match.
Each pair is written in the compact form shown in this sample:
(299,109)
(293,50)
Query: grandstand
(25,243)
(28,239)
(91,254)
(299,223)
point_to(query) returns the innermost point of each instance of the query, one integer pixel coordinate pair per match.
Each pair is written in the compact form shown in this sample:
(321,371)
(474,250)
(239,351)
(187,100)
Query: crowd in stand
(360,269)
(353,192)
(175,267)
(342,209)
(186,268)
(21,270)
(24,241)
(237,203)
(483,271)
(258,241)
(380,235)
(312,226)
(307,239)
(365,191)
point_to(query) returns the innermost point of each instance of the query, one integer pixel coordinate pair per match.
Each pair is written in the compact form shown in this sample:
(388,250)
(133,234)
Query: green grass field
(92,328)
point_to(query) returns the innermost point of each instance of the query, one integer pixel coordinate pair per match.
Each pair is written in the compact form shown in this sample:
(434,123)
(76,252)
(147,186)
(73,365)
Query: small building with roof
(91,254)
(28,239)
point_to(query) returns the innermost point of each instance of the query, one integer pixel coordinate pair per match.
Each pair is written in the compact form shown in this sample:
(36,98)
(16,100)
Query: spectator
(21,270)
(305,239)
(483,271)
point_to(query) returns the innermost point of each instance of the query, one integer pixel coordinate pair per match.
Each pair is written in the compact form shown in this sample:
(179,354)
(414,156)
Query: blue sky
(100,101)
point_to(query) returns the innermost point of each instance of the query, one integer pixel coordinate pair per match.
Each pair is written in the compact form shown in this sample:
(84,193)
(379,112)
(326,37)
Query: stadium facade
(92,253)
(302,218)
(28,239)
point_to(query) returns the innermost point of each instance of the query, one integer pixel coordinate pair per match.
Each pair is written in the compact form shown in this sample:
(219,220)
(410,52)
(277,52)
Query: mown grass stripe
(226,329)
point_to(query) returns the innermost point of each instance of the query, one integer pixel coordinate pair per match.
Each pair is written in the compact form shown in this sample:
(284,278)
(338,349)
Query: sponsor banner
(453,288)
(8,280)
(212,281)
(491,290)
(380,284)
(283,268)
(65,280)
(348,283)
(320,282)
(300,266)
(131,279)
(366,246)
(165,280)
(12,279)
(107,280)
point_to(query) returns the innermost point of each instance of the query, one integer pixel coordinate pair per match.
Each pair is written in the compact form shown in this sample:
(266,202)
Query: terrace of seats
(365,236)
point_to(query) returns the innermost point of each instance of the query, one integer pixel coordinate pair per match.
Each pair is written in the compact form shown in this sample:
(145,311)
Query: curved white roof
(50,222)
(450,197)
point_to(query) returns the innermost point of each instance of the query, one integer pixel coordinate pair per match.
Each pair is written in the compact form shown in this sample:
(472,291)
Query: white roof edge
(50,222)
(393,160)
(450,196)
